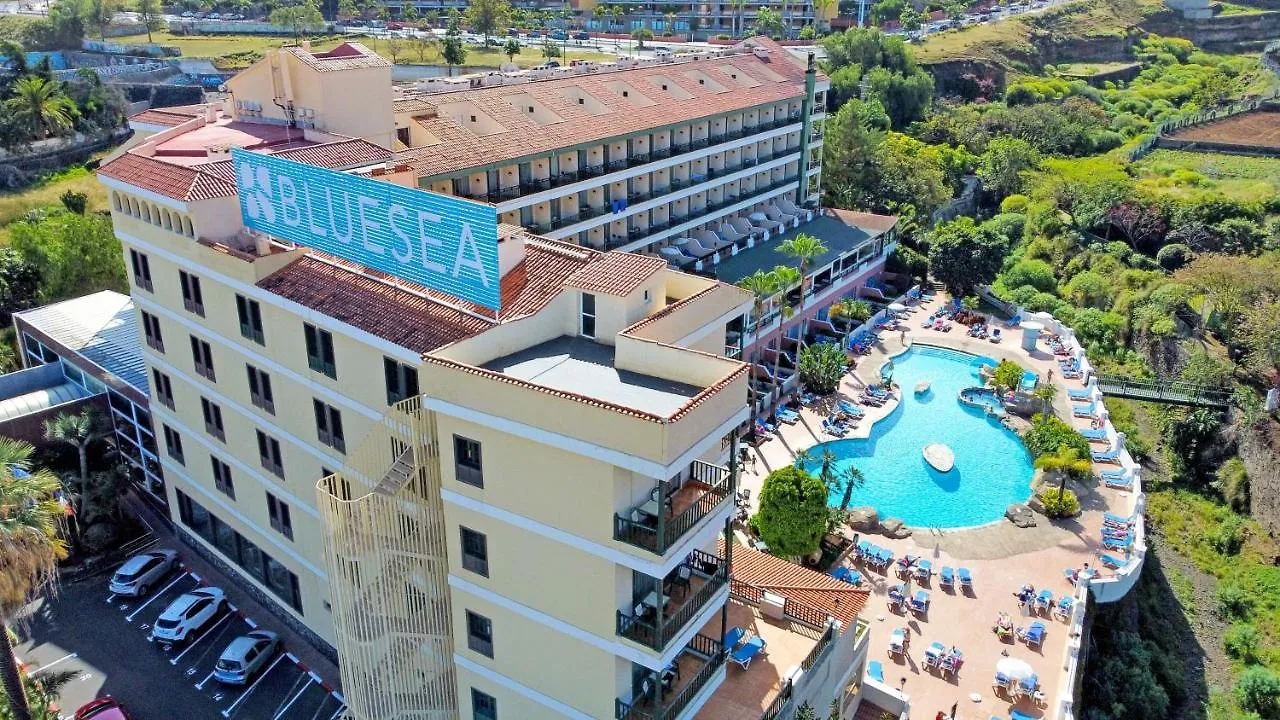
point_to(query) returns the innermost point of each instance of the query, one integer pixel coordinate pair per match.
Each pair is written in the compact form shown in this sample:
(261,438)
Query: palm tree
(855,311)
(1045,393)
(41,107)
(762,286)
(598,12)
(804,248)
(822,8)
(735,22)
(786,278)
(846,480)
(29,552)
(617,12)
(670,27)
(80,431)
(1065,462)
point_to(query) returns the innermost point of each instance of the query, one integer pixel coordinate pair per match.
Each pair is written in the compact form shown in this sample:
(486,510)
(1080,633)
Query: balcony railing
(591,171)
(538,228)
(638,159)
(664,532)
(565,221)
(638,196)
(700,143)
(564,178)
(661,153)
(645,709)
(535,185)
(783,699)
(589,212)
(659,635)
(613,165)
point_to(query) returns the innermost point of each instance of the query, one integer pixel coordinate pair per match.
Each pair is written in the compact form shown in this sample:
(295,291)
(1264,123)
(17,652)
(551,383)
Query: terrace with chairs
(1024,600)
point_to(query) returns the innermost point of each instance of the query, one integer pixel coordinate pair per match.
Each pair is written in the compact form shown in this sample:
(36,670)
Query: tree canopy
(963,255)
(793,512)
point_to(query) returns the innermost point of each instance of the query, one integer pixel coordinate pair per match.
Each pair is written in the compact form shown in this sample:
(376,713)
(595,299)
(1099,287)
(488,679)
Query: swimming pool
(992,468)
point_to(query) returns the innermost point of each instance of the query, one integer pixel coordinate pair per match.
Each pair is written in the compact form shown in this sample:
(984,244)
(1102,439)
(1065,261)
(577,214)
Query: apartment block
(516,509)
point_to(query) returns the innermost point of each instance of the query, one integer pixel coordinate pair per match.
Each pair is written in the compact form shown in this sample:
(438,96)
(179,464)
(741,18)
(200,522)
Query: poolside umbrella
(1014,668)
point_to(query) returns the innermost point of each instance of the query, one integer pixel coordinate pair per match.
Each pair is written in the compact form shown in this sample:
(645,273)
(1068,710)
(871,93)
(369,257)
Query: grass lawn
(232,47)
(1087,69)
(414,52)
(1185,175)
(14,204)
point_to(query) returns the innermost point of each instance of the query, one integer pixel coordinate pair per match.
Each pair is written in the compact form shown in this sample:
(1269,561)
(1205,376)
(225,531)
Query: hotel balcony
(661,609)
(658,529)
(665,695)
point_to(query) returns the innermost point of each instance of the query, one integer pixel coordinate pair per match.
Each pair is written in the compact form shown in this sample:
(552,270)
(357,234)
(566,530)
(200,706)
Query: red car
(104,708)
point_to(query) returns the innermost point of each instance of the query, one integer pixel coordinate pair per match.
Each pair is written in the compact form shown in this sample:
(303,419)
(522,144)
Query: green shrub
(1015,204)
(1233,601)
(1228,538)
(1036,273)
(1232,480)
(793,512)
(1047,434)
(821,366)
(1241,642)
(1066,506)
(74,201)
(1258,690)
(1173,256)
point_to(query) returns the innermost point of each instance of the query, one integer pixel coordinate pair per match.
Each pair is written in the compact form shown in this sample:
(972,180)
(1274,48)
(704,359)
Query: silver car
(141,572)
(245,656)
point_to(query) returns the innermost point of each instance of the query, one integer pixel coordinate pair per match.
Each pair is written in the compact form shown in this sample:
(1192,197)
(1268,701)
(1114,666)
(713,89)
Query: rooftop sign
(440,242)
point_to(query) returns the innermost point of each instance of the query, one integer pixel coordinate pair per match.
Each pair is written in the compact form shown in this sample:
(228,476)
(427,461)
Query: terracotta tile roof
(176,181)
(347,56)
(837,598)
(393,314)
(541,276)
(616,273)
(461,148)
(168,118)
(874,224)
(339,155)
(411,104)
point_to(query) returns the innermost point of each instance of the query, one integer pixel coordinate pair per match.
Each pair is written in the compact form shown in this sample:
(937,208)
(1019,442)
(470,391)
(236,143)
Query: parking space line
(294,699)
(232,707)
(200,685)
(221,633)
(336,715)
(174,660)
(155,595)
(42,668)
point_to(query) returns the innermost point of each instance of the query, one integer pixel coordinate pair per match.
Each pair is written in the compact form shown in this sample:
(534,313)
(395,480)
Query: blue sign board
(438,241)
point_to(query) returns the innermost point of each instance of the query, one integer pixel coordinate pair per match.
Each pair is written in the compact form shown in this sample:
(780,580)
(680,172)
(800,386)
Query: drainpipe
(806,110)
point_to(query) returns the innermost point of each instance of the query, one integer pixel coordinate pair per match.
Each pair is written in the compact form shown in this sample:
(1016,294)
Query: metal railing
(659,635)
(613,165)
(669,531)
(701,644)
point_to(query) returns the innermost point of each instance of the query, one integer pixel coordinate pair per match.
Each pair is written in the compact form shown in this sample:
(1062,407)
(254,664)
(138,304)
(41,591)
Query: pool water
(992,468)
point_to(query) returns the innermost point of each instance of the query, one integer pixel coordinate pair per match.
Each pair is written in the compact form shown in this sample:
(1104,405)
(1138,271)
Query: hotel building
(522,512)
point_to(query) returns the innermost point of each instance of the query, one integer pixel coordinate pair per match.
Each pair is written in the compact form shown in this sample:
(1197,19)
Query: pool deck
(1002,557)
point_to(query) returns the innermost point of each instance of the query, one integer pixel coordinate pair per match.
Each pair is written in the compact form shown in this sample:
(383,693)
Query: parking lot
(106,640)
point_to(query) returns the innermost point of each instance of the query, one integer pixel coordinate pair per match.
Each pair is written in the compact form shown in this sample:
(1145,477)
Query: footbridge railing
(1170,392)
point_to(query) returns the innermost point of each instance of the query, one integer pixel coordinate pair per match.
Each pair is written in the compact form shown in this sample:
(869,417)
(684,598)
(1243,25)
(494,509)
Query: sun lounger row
(742,652)
(874,555)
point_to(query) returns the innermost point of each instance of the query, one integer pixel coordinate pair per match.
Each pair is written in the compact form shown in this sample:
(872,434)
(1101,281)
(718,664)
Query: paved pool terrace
(1000,556)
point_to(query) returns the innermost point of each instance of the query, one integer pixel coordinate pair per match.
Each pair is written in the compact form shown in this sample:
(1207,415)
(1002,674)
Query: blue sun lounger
(1015,715)
(946,577)
(920,603)
(1094,433)
(848,407)
(853,577)
(749,650)
(1082,394)
(1118,519)
(1084,410)
(875,671)
(885,556)
(864,548)
(1034,634)
(924,570)
(1120,482)
(966,578)
(733,636)
(787,415)
(1117,543)
(1112,562)
(1108,456)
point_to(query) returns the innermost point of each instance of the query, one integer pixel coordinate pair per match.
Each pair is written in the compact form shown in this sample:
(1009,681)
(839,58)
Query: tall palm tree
(617,12)
(762,286)
(670,26)
(1066,462)
(855,311)
(786,278)
(29,552)
(804,248)
(598,12)
(735,22)
(41,107)
(848,479)
(80,431)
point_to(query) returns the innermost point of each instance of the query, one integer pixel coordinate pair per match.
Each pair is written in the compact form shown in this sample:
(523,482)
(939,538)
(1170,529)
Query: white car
(245,656)
(188,614)
(141,572)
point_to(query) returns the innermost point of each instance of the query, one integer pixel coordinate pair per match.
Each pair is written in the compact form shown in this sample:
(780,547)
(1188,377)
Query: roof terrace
(845,234)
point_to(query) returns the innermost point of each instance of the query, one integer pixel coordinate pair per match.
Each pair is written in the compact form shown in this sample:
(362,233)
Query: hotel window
(483,706)
(475,551)
(260,389)
(250,314)
(329,426)
(222,477)
(588,327)
(480,634)
(141,270)
(173,445)
(269,454)
(163,388)
(466,461)
(213,419)
(192,298)
(320,350)
(279,514)
(202,356)
(402,380)
(151,329)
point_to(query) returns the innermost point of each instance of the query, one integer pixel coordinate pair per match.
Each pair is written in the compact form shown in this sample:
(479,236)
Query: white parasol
(1014,668)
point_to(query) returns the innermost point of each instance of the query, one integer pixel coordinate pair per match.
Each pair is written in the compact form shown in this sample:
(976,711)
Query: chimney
(261,244)
(306,45)
(510,252)
(211,113)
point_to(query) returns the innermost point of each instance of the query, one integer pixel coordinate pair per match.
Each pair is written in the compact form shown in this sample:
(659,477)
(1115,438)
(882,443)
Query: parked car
(103,708)
(395,25)
(513,32)
(188,14)
(215,16)
(582,36)
(245,656)
(189,614)
(558,35)
(141,572)
(535,34)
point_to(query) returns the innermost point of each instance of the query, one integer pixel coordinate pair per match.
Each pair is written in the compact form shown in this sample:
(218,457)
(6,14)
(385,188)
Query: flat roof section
(101,327)
(193,147)
(582,367)
(840,236)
